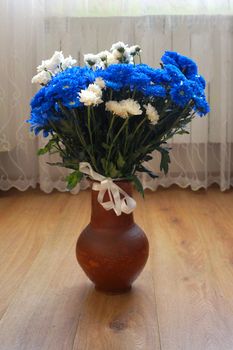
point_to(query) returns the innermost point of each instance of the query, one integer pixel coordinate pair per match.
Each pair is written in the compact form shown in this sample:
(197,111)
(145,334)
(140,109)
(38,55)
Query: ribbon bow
(126,204)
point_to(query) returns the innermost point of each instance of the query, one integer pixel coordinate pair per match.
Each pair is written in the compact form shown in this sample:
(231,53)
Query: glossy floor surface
(183,300)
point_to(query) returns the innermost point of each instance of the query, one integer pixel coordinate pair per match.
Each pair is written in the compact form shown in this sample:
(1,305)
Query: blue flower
(201,106)
(200,81)
(187,66)
(170,57)
(156,75)
(117,73)
(64,88)
(181,93)
(113,85)
(138,79)
(174,74)
(38,98)
(178,78)
(39,120)
(154,91)
(198,90)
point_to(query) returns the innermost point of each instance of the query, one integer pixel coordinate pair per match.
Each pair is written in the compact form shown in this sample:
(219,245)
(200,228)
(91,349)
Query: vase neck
(102,218)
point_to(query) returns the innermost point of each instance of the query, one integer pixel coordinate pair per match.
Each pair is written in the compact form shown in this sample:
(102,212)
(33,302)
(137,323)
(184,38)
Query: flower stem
(139,125)
(110,127)
(134,92)
(168,104)
(111,93)
(89,127)
(126,135)
(61,137)
(82,141)
(140,60)
(115,138)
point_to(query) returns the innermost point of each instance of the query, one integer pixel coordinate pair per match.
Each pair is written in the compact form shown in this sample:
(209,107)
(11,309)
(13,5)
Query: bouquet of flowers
(107,117)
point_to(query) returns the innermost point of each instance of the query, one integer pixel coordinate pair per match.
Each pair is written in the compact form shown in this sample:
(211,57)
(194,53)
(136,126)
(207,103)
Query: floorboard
(183,300)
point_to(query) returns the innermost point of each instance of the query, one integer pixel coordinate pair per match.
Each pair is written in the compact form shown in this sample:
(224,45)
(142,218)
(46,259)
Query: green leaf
(66,126)
(112,170)
(47,148)
(104,163)
(42,151)
(73,179)
(120,161)
(65,165)
(165,160)
(137,184)
(143,169)
(181,132)
(105,146)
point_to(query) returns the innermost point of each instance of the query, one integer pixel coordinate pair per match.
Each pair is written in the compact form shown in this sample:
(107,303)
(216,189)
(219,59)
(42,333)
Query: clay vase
(112,250)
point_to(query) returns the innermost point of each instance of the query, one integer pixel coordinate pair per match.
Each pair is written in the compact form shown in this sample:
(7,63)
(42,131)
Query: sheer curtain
(32,30)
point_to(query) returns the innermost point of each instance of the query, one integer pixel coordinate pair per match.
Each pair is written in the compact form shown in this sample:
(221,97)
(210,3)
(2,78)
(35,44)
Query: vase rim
(117,180)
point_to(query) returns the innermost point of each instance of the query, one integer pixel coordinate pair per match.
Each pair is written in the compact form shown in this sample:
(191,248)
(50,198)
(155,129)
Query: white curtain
(32,30)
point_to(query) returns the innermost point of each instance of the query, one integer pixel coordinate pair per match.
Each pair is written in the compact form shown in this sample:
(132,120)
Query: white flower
(151,113)
(135,49)
(119,46)
(124,108)
(132,106)
(43,66)
(68,62)
(116,54)
(53,64)
(89,98)
(127,57)
(100,64)
(93,61)
(103,55)
(100,82)
(41,78)
(56,63)
(111,59)
(90,59)
(96,89)
(116,108)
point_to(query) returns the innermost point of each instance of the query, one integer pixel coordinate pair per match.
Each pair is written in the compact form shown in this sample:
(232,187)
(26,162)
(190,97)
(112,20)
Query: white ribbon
(126,204)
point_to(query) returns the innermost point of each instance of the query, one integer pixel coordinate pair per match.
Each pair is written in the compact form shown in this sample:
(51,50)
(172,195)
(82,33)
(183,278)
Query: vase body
(112,250)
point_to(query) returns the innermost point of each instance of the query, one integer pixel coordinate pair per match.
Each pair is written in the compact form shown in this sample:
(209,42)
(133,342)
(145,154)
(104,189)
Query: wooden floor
(182,301)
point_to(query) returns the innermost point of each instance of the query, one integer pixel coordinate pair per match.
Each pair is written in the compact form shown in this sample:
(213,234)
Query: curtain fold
(113,8)
(33,30)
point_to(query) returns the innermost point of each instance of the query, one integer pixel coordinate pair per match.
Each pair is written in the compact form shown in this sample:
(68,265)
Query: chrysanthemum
(103,55)
(53,63)
(132,106)
(151,113)
(53,66)
(42,77)
(96,89)
(100,82)
(187,66)
(91,59)
(201,106)
(134,50)
(111,59)
(124,108)
(119,46)
(116,108)
(68,62)
(89,98)
(182,93)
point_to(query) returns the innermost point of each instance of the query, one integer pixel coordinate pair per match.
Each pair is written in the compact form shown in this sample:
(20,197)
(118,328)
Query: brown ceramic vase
(112,250)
